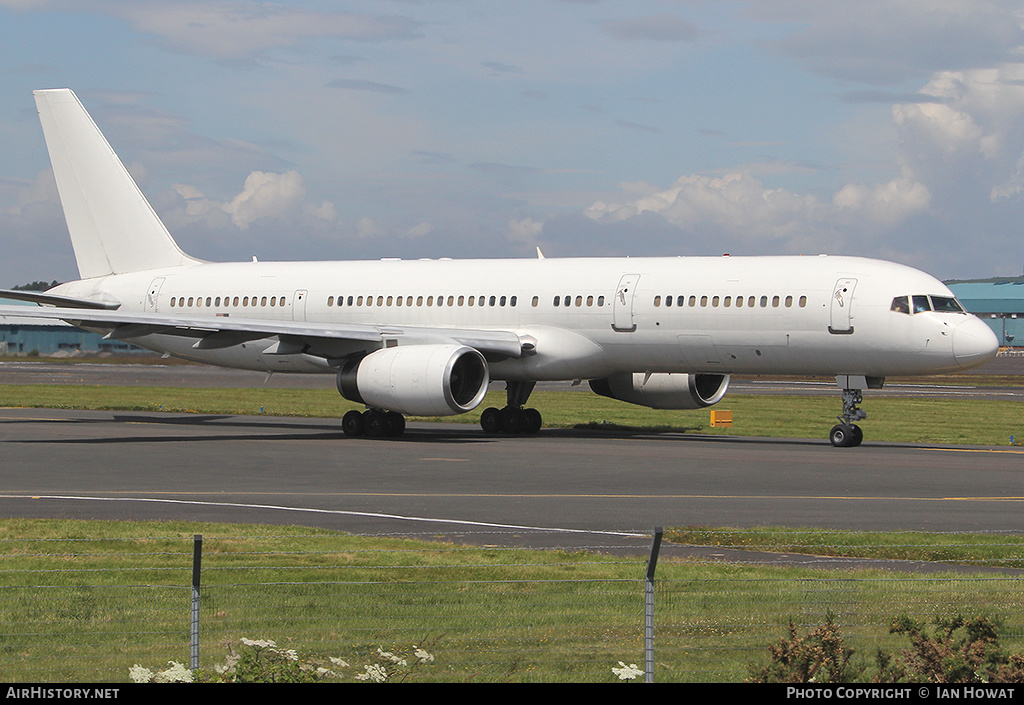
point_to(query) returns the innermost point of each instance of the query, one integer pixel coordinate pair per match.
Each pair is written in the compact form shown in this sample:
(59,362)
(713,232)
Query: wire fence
(87,611)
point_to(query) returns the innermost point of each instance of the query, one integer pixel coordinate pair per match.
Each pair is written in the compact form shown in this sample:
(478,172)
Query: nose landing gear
(846,433)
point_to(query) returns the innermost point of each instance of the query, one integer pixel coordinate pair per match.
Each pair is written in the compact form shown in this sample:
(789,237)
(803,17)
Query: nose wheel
(846,435)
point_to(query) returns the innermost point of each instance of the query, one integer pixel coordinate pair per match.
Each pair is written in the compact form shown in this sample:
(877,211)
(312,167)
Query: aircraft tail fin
(114,229)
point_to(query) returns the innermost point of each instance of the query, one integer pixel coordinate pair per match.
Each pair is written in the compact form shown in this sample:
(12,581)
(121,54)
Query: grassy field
(933,420)
(83,601)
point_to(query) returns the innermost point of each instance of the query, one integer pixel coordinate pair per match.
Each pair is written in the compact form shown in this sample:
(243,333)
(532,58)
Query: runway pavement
(561,487)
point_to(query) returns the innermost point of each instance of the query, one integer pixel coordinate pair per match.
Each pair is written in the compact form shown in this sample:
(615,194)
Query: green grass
(1002,549)
(83,601)
(957,421)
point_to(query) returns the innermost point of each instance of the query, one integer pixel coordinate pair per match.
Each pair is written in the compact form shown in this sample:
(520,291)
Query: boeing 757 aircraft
(426,337)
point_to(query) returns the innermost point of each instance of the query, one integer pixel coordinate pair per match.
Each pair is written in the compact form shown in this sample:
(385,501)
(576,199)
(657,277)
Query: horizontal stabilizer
(44,299)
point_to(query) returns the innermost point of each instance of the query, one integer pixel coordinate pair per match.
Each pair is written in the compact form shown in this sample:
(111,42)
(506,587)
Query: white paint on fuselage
(579,341)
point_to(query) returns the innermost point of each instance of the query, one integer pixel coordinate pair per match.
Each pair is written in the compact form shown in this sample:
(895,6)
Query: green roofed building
(998,302)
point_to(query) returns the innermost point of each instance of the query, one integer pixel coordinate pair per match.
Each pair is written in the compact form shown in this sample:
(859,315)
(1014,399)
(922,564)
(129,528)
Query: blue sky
(485,128)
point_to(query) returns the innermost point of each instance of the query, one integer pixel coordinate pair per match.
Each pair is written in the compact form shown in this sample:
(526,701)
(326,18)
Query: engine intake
(663,390)
(419,380)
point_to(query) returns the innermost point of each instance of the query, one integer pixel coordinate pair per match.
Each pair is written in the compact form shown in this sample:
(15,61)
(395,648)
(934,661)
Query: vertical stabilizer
(113,228)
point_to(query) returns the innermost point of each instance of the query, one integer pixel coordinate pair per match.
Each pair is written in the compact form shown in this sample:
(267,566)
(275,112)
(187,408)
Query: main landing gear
(847,434)
(513,418)
(373,423)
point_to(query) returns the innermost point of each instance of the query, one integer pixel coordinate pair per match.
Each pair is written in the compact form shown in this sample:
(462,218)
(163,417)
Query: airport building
(39,336)
(998,302)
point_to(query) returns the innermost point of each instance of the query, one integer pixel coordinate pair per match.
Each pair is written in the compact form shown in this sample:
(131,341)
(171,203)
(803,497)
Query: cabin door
(153,295)
(840,320)
(299,305)
(622,304)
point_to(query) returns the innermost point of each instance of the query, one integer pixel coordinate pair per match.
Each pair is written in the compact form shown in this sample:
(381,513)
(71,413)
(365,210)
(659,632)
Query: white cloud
(741,207)
(265,196)
(230,29)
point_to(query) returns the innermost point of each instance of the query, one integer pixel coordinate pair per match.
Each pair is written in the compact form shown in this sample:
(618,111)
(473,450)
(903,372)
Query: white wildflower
(422,656)
(627,673)
(140,674)
(258,643)
(373,673)
(177,673)
(388,656)
(337,662)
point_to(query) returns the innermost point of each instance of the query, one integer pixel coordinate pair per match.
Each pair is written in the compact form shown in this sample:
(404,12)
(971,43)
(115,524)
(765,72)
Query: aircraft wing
(318,339)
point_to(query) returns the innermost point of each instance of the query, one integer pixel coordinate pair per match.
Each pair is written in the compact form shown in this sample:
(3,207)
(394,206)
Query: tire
(490,420)
(841,435)
(394,424)
(352,423)
(533,421)
(513,420)
(375,423)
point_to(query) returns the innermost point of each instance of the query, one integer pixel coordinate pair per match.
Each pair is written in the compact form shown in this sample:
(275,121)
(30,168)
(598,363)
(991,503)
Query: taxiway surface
(561,487)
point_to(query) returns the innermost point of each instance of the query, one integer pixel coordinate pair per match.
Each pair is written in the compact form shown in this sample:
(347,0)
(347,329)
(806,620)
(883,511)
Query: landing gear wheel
(513,420)
(490,420)
(858,436)
(352,423)
(846,435)
(533,421)
(394,424)
(373,421)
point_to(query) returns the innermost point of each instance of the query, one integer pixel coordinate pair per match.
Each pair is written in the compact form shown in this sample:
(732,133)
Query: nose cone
(974,343)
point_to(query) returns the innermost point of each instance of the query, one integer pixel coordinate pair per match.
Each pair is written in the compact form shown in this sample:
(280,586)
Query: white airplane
(426,337)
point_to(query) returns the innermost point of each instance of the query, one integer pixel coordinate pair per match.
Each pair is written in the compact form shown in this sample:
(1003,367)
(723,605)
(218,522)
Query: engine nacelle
(420,380)
(663,390)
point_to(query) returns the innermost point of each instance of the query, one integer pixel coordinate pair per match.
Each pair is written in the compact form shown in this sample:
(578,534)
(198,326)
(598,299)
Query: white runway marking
(340,512)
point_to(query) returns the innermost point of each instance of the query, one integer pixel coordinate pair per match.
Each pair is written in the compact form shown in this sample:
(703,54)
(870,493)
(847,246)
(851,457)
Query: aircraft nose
(974,343)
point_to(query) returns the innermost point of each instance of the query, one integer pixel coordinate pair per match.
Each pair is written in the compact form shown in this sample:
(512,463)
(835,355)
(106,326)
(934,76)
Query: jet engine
(419,380)
(663,390)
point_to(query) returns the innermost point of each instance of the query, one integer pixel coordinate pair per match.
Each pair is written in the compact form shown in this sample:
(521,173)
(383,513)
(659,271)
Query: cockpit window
(946,304)
(922,303)
(900,305)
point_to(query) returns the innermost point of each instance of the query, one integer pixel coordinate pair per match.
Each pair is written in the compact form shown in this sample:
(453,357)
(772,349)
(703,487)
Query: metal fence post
(652,563)
(197,560)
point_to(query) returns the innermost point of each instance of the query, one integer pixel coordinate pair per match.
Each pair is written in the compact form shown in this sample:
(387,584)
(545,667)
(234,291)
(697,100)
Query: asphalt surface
(567,488)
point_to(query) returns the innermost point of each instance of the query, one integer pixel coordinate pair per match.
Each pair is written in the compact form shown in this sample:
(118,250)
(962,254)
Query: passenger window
(900,305)
(536,300)
(657,301)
